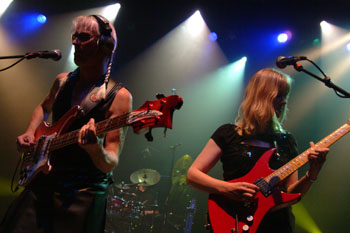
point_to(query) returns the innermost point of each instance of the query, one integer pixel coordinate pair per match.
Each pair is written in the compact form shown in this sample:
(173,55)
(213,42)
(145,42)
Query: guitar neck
(300,160)
(101,127)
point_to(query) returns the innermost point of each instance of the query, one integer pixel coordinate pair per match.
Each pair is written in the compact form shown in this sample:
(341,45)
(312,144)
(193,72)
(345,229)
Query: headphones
(106,41)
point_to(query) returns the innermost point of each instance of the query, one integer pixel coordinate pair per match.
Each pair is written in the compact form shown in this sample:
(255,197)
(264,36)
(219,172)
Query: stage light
(333,38)
(25,24)
(33,21)
(348,47)
(195,24)
(240,64)
(282,38)
(4,4)
(326,27)
(213,36)
(111,12)
(41,19)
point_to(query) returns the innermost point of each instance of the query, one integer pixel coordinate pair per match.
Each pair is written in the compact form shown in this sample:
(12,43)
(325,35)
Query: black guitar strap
(94,97)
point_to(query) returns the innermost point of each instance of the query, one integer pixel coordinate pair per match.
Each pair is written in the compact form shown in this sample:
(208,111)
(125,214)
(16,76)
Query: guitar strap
(97,95)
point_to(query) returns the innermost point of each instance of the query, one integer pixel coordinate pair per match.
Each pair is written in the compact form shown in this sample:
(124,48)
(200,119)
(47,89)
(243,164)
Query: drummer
(148,198)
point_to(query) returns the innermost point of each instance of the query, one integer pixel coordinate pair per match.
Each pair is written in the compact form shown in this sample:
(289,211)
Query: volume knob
(250,219)
(245,229)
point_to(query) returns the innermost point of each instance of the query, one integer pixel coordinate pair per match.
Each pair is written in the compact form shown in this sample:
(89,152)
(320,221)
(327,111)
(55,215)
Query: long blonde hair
(257,113)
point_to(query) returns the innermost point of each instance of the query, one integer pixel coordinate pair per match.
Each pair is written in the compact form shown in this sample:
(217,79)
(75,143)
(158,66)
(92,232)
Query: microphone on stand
(282,62)
(53,54)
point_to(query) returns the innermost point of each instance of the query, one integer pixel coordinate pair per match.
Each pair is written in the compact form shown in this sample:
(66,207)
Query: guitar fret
(292,165)
(267,188)
(302,158)
(103,126)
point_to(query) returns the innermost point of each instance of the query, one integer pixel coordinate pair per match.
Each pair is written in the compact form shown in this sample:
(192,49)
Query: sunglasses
(82,37)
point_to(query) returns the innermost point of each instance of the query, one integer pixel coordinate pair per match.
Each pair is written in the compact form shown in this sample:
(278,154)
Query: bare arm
(317,158)
(105,152)
(198,178)
(40,113)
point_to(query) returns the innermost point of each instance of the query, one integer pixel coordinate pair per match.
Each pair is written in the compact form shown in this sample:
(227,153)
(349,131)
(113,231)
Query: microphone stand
(167,212)
(22,57)
(327,81)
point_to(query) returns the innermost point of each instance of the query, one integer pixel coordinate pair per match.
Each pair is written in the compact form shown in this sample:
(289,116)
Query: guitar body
(60,127)
(37,161)
(226,215)
(152,114)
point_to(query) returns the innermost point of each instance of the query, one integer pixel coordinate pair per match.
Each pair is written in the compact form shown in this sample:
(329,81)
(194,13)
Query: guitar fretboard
(101,127)
(300,160)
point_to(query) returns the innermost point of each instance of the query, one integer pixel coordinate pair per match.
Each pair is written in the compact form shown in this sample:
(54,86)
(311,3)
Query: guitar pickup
(265,188)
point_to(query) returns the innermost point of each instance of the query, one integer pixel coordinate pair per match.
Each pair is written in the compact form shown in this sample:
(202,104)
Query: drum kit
(133,207)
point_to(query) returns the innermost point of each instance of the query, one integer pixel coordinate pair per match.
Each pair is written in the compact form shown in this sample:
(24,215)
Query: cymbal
(182,165)
(145,177)
(180,169)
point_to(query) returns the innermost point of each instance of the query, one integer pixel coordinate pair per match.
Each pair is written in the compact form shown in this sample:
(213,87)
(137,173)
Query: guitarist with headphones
(70,195)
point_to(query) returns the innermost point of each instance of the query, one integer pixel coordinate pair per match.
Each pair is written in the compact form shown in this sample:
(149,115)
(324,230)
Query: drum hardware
(128,209)
(124,186)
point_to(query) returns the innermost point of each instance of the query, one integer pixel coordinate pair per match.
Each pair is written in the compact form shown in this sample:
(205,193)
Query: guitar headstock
(154,114)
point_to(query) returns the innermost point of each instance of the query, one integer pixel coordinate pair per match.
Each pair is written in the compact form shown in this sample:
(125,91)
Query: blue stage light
(31,22)
(213,36)
(41,18)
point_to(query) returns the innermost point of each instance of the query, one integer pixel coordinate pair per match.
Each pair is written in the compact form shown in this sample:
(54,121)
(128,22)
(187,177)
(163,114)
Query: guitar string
(302,159)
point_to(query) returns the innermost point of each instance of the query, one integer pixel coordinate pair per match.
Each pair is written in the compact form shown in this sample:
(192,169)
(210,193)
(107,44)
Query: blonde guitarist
(236,205)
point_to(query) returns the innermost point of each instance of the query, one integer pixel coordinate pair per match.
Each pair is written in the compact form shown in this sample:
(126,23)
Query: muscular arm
(40,113)
(105,152)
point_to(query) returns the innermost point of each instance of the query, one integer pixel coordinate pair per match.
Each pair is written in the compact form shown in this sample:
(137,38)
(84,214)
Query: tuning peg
(160,95)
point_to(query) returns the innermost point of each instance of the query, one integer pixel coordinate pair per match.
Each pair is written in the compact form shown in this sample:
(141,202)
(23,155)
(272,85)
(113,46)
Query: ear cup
(106,41)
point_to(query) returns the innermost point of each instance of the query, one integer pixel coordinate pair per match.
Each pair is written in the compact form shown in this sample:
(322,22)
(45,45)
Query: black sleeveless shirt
(72,166)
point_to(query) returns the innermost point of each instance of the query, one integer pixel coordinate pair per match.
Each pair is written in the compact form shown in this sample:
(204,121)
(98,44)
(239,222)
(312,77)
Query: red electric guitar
(151,114)
(228,216)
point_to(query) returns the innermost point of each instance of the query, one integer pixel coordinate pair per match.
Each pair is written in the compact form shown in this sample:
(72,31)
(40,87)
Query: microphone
(53,54)
(282,62)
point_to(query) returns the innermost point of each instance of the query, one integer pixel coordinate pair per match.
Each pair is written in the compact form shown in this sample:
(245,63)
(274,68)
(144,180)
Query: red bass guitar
(151,114)
(228,216)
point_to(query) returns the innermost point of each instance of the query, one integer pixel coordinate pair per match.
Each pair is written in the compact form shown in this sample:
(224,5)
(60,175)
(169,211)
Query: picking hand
(241,191)
(25,142)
